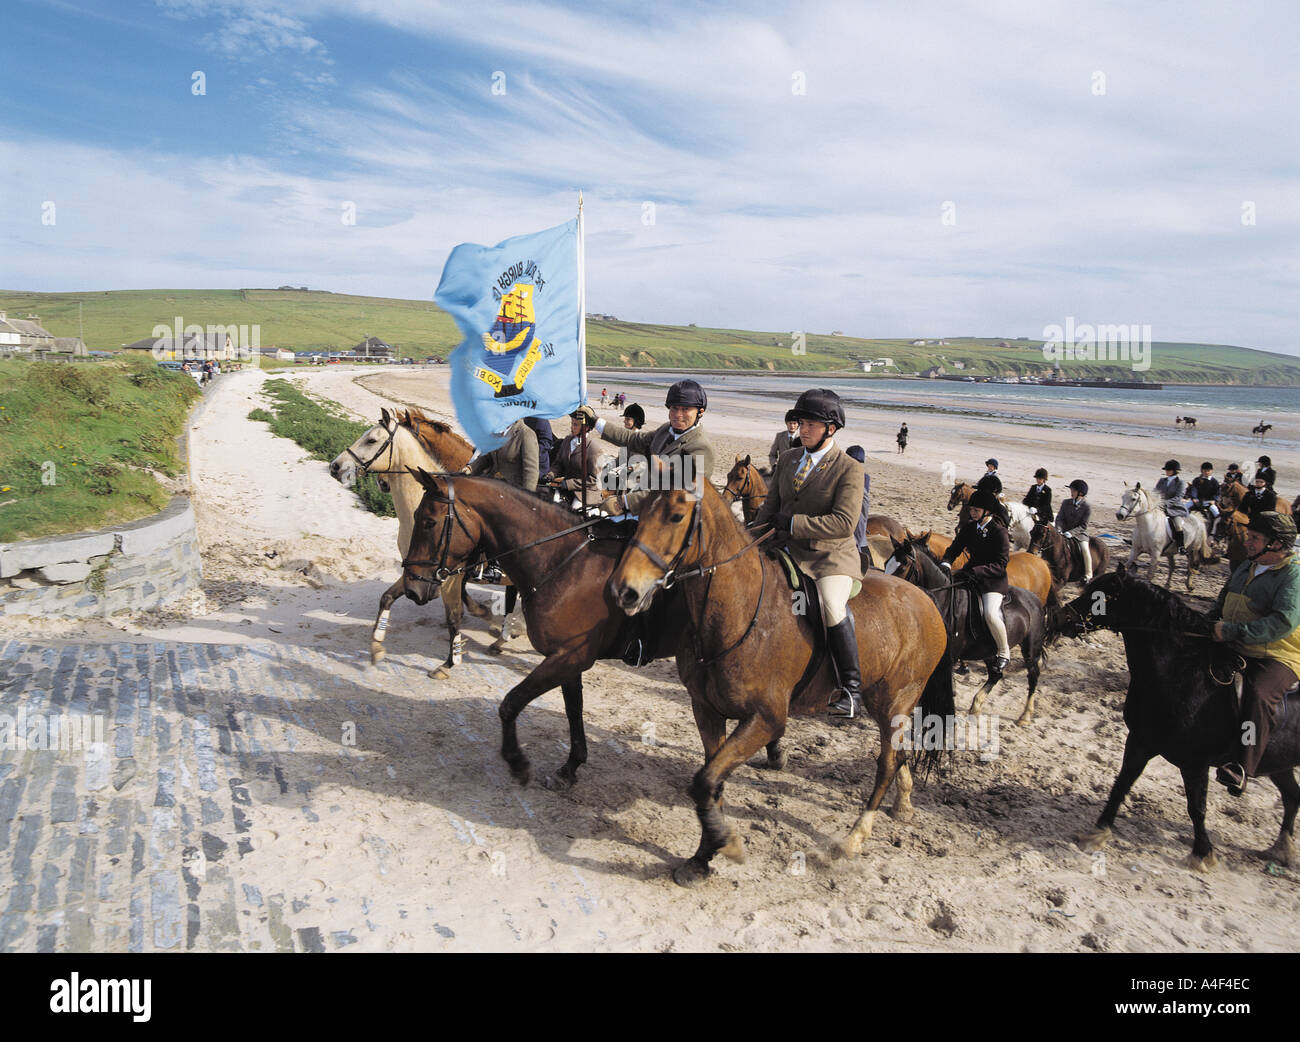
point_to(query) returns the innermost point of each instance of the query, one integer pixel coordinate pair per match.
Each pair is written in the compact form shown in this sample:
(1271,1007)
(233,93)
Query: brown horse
(880,524)
(1234,522)
(562,572)
(1025,570)
(401,440)
(748,657)
(746,485)
(1063,557)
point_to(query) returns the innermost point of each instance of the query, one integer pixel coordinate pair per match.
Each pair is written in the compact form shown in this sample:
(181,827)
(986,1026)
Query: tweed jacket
(1174,491)
(566,464)
(660,443)
(823,513)
(783,442)
(515,461)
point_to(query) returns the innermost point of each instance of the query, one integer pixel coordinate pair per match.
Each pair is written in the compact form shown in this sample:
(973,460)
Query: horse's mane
(414,420)
(1164,606)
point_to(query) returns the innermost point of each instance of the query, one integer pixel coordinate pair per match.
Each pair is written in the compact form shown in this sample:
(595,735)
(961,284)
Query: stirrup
(846,707)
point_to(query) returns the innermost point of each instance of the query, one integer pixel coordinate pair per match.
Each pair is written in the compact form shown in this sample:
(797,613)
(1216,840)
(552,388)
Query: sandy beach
(989,863)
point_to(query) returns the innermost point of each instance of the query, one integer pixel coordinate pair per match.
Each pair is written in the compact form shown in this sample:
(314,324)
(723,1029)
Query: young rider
(1174,490)
(986,539)
(1072,521)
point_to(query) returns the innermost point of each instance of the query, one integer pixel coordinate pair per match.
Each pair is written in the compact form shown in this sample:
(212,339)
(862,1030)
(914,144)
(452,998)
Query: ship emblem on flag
(519,306)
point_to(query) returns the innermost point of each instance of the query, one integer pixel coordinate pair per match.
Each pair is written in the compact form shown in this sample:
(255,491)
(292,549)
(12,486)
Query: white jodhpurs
(834,592)
(992,605)
(1087,555)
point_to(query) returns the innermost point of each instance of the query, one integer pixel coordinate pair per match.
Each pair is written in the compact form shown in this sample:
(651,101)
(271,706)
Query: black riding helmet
(790,416)
(1041,472)
(820,404)
(637,413)
(1173,464)
(1080,485)
(985,500)
(687,394)
(1265,461)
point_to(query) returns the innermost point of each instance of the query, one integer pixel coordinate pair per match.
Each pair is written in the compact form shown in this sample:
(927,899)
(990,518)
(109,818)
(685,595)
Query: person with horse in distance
(1259,613)
(813,504)
(1039,497)
(901,438)
(1072,520)
(986,539)
(1174,490)
(567,470)
(1259,499)
(784,441)
(680,443)
(515,461)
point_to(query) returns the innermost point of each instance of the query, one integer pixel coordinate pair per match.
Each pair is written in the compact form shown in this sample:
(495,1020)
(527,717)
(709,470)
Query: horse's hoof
(849,847)
(1279,852)
(377,654)
(1094,840)
(440,673)
(777,762)
(522,773)
(1202,864)
(559,781)
(903,815)
(1023,721)
(734,848)
(496,647)
(688,873)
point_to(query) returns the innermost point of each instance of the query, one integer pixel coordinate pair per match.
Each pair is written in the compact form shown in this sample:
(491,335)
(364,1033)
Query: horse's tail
(938,699)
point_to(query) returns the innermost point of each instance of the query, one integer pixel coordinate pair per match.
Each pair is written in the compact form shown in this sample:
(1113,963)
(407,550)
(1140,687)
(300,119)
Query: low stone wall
(131,567)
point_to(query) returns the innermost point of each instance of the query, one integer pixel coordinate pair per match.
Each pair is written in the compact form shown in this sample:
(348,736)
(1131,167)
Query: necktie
(802,472)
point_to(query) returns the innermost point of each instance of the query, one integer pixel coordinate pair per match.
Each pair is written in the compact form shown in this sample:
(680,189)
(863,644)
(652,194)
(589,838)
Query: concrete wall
(130,567)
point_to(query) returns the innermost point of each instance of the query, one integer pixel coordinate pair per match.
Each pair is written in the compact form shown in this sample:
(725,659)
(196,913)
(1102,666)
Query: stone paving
(266,797)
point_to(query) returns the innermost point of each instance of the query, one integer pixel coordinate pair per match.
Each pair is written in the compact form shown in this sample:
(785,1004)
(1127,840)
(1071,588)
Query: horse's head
(739,483)
(1100,606)
(444,536)
(373,449)
(1130,501)
(903,559)
(668,538)
(1038,537)
(961,492)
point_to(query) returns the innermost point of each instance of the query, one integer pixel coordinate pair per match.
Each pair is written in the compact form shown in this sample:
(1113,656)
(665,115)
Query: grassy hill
(319,320)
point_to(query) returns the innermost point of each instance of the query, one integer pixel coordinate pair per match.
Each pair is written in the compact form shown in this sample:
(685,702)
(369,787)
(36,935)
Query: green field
(77,443)
(311,321)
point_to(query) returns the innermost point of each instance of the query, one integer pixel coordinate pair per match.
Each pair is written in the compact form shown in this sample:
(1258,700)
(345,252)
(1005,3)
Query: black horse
(968,637)
(1180,704)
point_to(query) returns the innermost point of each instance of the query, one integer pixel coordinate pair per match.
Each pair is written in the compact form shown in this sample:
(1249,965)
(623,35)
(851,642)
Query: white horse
(1151,533)
(1022,524)
(386,451)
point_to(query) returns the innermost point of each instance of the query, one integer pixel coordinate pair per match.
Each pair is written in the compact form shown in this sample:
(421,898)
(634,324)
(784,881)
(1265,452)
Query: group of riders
(816,501)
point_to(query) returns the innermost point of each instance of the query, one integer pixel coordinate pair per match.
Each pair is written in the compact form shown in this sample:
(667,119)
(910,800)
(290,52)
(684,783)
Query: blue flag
(520,306)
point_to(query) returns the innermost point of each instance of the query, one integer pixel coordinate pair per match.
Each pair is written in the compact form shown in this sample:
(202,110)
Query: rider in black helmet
(1072,521)
(814,501)
(785,440)
(1174,490)
(1039,497)
(634,417)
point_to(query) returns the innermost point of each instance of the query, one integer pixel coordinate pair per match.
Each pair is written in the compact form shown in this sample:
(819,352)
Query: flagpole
(582,345)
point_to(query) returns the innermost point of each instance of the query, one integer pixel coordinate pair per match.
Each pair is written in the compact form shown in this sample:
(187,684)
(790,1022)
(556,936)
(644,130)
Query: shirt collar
(819,455)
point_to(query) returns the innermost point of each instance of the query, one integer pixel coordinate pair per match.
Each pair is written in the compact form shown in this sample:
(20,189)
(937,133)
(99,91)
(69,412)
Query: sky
(885,169)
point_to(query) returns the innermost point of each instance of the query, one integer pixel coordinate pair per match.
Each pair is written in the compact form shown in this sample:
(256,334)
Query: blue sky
(1098,157)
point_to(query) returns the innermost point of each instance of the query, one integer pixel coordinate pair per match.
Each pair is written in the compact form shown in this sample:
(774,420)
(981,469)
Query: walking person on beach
(1072,521)
(1039,497)
(901,438)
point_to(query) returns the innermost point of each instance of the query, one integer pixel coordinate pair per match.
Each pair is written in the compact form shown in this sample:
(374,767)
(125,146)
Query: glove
(782,525)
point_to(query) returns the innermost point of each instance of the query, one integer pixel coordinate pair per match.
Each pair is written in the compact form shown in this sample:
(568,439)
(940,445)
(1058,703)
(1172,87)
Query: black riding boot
(1178,538)
(843,641)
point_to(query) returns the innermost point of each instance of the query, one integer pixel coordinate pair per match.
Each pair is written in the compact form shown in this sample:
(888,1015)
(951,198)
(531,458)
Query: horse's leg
(553,671)
(380,629)
(903,810)
(750,735)
(1196,783)
(1281,851)
(507,623)
(567,775)
(1135,761)
(886,767)
(1031,648)
(451,592)
(776,758)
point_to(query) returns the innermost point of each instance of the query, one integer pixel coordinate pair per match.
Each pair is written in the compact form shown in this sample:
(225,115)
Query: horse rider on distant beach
(1072,520)
(1174,491)
(1259,613)
(814,502)
(986,539)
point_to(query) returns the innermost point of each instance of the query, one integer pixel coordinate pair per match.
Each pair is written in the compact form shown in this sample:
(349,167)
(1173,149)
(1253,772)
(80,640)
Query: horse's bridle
(365,465)
(1132,506)
(746,490)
